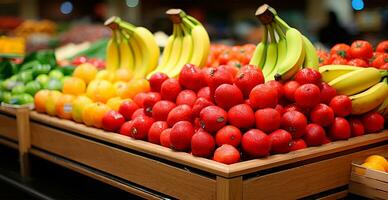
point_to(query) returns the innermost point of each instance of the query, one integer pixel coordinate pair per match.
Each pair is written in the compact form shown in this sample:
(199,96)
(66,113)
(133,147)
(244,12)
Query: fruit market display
(360,53)
(376,162)
(219,102)
(20,82)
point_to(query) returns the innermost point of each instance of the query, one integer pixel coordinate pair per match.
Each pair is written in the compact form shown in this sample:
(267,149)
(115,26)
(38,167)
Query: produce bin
(8,127)
(153,171)
(368,183)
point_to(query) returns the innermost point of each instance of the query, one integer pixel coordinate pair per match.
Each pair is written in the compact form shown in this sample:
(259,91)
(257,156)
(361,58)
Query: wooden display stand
(154,172)
(15,133)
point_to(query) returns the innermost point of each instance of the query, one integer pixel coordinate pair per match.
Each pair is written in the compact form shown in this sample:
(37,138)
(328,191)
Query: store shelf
(150,170)
(8,127)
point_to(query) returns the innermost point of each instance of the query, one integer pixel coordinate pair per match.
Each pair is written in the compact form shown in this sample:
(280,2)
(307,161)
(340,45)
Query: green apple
(25,76)
(32,87)
(56,74)
(42,79)
(9,84)
(19,89)
(6,97)
(53,84)
(25,99)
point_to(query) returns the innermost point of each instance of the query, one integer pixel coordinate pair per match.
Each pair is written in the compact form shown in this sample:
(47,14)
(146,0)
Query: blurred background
(52,23)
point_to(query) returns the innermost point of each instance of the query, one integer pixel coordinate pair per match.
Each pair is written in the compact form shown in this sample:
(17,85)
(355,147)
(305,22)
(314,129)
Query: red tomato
(324,57)
(382,47)
(235,63)
(378,59)
(358,62)
(224,58)
(361,49)
(341,50)
(384,67)
(339,61)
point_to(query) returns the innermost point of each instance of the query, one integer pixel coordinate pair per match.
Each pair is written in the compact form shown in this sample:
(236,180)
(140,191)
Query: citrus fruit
(374,166)
(137,86)
(114,103)
(123,74)
(79,103)
(51,101)
(378,159)
(85,71)
(64,106)
(122,89)
(40,99)
(74,86)
(100,90)
(93,113)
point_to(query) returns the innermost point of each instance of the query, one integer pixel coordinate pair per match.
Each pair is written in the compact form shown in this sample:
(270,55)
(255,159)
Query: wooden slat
(143,146)
(363,190)
(10,111)
(8,143)
(335,196)
(134,168)
(8,127)
(229,188)
(304,154)
(305,180)
(23,130)
(86,172)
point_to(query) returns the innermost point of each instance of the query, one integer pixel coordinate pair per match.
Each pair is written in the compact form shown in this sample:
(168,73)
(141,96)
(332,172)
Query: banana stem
(282,23)
(279,31)
(271,33)
(188,23)
(384,73)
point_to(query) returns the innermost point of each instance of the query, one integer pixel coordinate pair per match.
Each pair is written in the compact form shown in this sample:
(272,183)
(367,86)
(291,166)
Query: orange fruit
(85,71)
(92,114)
(64,106)
(51,102)
(87,114)
(100,90)
(74,86)
(40,99)
(374,166)
(79,103)
(138,85)
(123,74)
(106,75)
(379,160)
(115,102)
(122,89)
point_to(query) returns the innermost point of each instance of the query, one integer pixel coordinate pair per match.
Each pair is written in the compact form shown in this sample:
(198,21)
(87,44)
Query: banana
(137,54)
(383,108)
(126,55)
(186,54)
(311,58)
(282,44)
(201,41)
(150,51)
(295,52)
(356,81)
(112,53)
(258,57)
(369,99)
(176,50)
(330,72)
(271,54)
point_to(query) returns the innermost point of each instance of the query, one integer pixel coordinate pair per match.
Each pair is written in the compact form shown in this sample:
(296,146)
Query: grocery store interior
(72,127)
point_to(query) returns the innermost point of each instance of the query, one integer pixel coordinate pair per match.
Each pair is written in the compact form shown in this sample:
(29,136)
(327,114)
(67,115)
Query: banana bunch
(364,86)
(189,43)
(283,50)
(131,47)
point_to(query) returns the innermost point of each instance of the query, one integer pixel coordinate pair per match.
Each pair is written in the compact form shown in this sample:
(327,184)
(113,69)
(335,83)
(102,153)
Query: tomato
(224,58)
(378,59)
(384,67)
(341,50)
(324,57)
(79,60)
(249,48)
(361,49)
(339,61)
(382,47)
(358,62)
(235,63)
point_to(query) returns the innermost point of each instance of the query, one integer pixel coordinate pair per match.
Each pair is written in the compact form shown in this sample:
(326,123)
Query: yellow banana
(311,58)
(186,54)
(369,99)
(176,50)
(330,72)
(150,50)
(126,56)
(112,53)
(201,47)
(356,81)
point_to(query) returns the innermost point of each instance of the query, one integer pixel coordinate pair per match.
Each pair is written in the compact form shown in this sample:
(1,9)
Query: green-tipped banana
(369,99)
(356,81)
(258,57)
(271,54)
(295,53)
(331,72)
(311,58)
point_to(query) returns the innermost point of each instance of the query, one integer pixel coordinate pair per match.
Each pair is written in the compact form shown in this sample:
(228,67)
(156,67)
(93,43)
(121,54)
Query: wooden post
(23,130)
(228,189)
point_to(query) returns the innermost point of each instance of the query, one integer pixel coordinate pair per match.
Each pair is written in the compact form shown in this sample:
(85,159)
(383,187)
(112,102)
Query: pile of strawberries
(230,114)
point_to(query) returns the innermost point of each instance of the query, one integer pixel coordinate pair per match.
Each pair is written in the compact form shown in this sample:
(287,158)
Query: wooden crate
(368,183)
(153,171)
